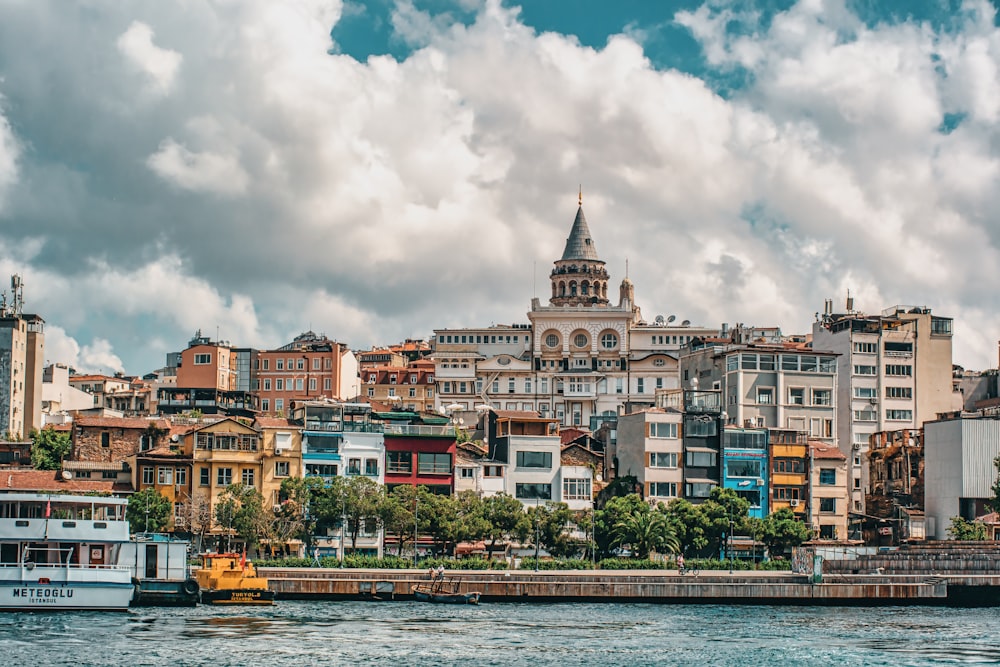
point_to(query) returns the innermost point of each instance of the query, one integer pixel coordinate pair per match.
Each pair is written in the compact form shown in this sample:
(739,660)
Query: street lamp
(536,533)
(416,507)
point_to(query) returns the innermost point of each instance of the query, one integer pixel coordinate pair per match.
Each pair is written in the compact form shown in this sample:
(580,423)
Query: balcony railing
(424,430)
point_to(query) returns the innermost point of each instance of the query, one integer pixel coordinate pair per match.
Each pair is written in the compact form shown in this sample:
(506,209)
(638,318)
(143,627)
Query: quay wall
(630,586)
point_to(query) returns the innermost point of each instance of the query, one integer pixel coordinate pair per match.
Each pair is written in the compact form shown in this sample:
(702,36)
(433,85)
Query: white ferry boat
(63,552)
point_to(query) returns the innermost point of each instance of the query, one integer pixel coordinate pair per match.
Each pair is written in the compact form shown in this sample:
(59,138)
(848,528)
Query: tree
(505,519)
(241,508)
(552,523)
(646,530)
(969,531)
(438,517)
(614,511)
(396,514)
(148,511)
(724,511)
(362,498)
(781,531)
(48,448)
(994,502)
(690,526)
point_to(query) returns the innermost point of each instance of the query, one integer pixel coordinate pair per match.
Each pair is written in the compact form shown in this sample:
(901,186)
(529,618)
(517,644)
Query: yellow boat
(231,579)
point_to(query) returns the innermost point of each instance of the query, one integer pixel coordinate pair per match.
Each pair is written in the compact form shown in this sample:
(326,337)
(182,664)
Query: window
(827,504)
(864,370)
(105,439)
(698,428)
(265,404)
(796,396)
(492,471)
(537,491)
(204,478)
(202,359)
(248,476)
(700,459)
(786,493)
(865,392)
(748,362)
(662,430)
(899,415)
(279,404)
(266,364)
(279,364)
(279,384)
(399,462)
(865,348)
(281,468)
(866,415)
(468,473)
(899,370)
(321,470)
(580,340)
(510,385)
(765,396)
(299,364)
(433,464)
(371,467)
(742,468)
(828,476)
(527,385)
(181,476)
(663,459)
(899,392)
(312,384)
(663,489)
(698,489)
(940,326)
(551,340)
(165,476)
(822,397)
(609,341)
(267,384)
(147,474)
(298,384)
(224,476)
(534,459)
(327,384)
(794,466)
(576,488)
(640,385)
(353,466)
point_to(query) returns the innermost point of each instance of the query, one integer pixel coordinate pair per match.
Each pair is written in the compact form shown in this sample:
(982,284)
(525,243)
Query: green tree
(725,511)
(48,448)
(241,509)
(396,514)
(148,511)
(781,531)
(616,509)
(438,516)
(994,502)
(963,530)
(505,519)
(553,521)
(646,530)
(362,499)
(689,524)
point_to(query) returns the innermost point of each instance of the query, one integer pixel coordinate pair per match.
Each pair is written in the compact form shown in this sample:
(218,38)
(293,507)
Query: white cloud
(9,151)
(158,64)
(94,357)
(200,172)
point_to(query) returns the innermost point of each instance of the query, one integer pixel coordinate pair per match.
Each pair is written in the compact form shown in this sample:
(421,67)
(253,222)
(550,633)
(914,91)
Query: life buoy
(191,586)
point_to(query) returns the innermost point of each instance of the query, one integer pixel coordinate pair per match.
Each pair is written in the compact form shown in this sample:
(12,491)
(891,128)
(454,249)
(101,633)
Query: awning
(703,450)
(697,480)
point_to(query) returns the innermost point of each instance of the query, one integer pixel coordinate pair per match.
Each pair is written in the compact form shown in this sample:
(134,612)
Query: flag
(243,559)
(48,508)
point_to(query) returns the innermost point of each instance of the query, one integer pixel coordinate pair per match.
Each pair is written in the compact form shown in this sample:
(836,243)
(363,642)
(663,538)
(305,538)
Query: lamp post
(416,507)
(730,549)
(536,533)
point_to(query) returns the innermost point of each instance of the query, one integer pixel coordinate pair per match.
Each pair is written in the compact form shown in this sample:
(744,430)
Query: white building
(958,470)
(650,448)
(894,371)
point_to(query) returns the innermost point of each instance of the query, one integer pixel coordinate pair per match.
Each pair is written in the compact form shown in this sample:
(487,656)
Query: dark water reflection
(348,633)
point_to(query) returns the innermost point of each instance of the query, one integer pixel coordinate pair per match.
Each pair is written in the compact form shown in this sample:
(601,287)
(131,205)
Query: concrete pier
(662,586)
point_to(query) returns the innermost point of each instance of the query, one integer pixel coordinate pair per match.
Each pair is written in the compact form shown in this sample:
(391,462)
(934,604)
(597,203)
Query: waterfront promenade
(665,586)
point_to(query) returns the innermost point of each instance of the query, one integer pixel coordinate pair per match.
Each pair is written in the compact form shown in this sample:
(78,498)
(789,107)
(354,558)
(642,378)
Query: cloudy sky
(373,170)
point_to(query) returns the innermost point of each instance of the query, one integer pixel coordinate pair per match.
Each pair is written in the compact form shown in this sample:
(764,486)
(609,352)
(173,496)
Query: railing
(419,430)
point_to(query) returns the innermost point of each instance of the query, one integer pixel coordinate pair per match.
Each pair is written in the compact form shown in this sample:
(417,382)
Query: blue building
(744,467)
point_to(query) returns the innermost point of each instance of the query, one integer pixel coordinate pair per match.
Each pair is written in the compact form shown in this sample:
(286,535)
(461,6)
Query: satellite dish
(671,319)
(67,475)
(686,323)
(175,438)
(659,320)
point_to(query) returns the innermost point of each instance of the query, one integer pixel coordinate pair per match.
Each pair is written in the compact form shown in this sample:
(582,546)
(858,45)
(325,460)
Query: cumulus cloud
(158,64)
(94,357)
(276,186)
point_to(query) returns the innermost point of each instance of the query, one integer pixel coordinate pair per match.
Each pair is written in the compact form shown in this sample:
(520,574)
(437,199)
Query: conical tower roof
(579,245)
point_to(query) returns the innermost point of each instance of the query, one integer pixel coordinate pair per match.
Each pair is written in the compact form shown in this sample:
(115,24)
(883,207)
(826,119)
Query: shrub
(556,564)
(634,564)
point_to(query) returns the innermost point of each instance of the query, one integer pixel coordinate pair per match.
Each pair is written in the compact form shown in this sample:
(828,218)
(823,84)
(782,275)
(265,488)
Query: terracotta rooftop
(822,450)
(121,422)
(52,481)
(274,422)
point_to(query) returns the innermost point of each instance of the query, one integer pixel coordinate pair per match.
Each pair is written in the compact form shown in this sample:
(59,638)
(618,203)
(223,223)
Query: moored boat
(444,592)
(160,571)
(63,552)
(232,579)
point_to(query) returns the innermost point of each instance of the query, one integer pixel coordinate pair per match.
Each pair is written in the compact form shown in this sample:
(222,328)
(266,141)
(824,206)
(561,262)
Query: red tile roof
(273,422)
(121,422)
(821,450)
(52,481)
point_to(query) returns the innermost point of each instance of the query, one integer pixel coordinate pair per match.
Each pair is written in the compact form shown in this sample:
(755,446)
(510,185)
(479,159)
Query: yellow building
(223,453)
(281,455)
(789,471)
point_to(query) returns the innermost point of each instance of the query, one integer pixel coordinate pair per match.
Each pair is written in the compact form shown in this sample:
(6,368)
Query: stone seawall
(716,587)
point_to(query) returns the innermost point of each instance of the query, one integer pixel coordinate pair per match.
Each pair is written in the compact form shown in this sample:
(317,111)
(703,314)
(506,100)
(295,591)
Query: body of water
(348,633)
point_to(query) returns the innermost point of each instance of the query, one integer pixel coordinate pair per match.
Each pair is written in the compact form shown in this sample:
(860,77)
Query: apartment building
(22,355)
(828,500)
(650,448)
(894,371)
(745,467)
(209,381)
(790,469)
(308,368)
(410,388)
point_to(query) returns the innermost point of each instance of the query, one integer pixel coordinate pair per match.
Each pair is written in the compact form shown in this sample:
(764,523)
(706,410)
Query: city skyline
(373,172)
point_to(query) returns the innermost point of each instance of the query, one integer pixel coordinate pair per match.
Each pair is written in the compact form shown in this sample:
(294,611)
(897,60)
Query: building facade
(650,448)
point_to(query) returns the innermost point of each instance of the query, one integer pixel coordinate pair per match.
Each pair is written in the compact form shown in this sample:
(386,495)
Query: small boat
(232,579)
(63,552)
(444,592)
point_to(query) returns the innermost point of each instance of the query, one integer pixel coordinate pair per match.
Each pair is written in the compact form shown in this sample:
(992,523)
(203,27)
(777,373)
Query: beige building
(894,372)
(224,452)
(828,498)
(651,449)
(281,455)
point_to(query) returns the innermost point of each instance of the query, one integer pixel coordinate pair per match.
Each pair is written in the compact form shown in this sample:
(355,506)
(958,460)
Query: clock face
(580,340)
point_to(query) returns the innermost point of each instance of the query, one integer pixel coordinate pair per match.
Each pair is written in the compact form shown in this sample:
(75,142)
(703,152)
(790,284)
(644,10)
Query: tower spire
(581,195)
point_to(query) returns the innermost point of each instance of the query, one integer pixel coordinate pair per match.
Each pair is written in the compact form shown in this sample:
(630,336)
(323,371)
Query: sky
(372,171)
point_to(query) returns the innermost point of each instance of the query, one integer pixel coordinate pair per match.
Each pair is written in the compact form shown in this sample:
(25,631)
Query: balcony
(420,430)
(703,402)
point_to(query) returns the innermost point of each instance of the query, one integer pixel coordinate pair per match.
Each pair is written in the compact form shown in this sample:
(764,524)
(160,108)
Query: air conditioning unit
(873,400)
(856,446)
(794,502)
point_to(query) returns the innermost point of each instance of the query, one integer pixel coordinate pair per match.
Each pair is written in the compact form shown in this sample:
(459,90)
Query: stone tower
(579,278)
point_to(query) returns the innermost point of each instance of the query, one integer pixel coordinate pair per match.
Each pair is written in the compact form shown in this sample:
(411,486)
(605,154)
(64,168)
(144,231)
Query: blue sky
(376,170)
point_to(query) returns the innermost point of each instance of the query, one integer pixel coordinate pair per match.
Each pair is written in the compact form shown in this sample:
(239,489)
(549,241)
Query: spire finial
(581,195)
(626,267)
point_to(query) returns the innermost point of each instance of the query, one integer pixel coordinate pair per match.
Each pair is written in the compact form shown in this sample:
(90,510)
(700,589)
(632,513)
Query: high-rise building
(894,372)
(22,344)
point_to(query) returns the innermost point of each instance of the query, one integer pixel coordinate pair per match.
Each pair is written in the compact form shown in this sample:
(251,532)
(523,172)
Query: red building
(419,451)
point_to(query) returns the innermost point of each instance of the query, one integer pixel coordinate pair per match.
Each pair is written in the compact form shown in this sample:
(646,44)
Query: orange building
(410,388)
(308,368)
(212,378)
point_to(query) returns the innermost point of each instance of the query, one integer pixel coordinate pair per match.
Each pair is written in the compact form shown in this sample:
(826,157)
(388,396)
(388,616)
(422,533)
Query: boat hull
(152,593)
(71,596)
(423,595)
(243,596)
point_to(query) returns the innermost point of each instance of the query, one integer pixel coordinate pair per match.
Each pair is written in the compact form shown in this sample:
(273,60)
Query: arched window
(585,288)
(562,289)
(572,288)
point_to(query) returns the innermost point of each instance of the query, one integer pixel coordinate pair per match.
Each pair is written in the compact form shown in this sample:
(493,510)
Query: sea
(413,633)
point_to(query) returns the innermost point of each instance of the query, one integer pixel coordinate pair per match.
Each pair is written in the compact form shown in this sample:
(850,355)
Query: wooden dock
(657,586)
